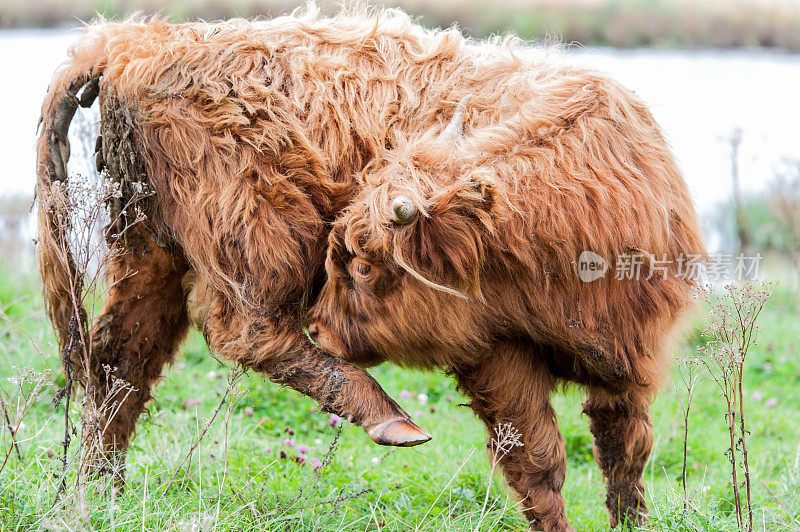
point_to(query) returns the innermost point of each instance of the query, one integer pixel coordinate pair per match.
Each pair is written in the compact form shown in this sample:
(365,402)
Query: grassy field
(245,475)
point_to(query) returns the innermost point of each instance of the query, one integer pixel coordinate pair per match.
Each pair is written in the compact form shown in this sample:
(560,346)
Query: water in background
(697,97)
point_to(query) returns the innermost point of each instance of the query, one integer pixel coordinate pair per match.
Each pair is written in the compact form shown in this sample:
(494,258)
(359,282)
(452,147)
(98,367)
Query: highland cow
(251,135)
(461,252)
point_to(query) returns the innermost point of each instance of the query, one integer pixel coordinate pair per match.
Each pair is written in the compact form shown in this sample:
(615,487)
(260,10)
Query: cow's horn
(403,209)
(455,128)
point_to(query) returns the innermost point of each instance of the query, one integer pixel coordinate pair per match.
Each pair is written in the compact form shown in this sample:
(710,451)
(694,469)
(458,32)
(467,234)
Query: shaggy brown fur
(251,135)
(460,252)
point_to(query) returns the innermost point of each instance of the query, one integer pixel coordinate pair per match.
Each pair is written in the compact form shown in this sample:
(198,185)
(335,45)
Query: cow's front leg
(510,393)
(274,345)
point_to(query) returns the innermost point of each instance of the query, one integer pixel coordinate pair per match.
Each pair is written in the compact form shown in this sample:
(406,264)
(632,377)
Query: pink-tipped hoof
(398,432)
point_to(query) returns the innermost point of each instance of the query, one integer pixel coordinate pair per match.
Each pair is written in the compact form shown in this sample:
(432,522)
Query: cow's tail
(75,84)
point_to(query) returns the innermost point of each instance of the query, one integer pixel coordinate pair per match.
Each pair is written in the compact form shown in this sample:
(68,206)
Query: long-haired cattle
(251,135)
(464,251)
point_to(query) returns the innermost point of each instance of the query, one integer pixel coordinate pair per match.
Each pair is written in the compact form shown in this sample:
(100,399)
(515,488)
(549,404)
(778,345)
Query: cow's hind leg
(623,438)
(141,326)
(513,387)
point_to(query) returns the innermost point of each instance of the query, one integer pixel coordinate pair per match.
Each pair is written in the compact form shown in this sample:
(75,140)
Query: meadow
(215,454)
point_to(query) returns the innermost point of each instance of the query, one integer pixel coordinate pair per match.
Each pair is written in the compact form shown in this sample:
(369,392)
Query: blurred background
(720,76)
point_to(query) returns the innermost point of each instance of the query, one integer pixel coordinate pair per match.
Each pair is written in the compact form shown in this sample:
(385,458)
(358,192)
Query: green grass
(237,479)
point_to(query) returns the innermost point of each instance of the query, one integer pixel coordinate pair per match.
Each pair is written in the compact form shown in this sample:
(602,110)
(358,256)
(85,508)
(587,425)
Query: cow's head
(405,259)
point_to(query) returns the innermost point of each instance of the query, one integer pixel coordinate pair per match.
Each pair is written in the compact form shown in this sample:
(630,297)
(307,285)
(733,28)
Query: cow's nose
(313,332)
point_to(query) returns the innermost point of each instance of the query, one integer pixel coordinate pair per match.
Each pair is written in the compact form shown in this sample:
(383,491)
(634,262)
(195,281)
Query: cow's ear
(446,250)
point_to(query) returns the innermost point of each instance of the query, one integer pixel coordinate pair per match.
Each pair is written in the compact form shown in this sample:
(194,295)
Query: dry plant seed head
(29,386)
(506,439)
(732,326)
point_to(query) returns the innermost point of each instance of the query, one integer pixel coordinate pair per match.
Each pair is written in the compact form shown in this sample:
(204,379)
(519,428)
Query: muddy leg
(142,325)
(512,386)
(623,437)
(276,346)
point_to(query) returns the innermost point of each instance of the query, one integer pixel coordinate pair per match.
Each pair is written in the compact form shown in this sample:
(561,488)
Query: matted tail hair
(77,83)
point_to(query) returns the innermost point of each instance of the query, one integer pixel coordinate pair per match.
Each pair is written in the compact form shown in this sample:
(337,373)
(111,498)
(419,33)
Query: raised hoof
(398,432)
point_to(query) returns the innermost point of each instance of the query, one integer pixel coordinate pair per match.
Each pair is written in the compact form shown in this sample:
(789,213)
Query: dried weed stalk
(506,438)
(29,385)
(233,392)
(786,198)
(82,208)
(690,373)
(731,327)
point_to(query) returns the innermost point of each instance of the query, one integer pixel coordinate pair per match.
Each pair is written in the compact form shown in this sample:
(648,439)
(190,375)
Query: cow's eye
(361,268)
